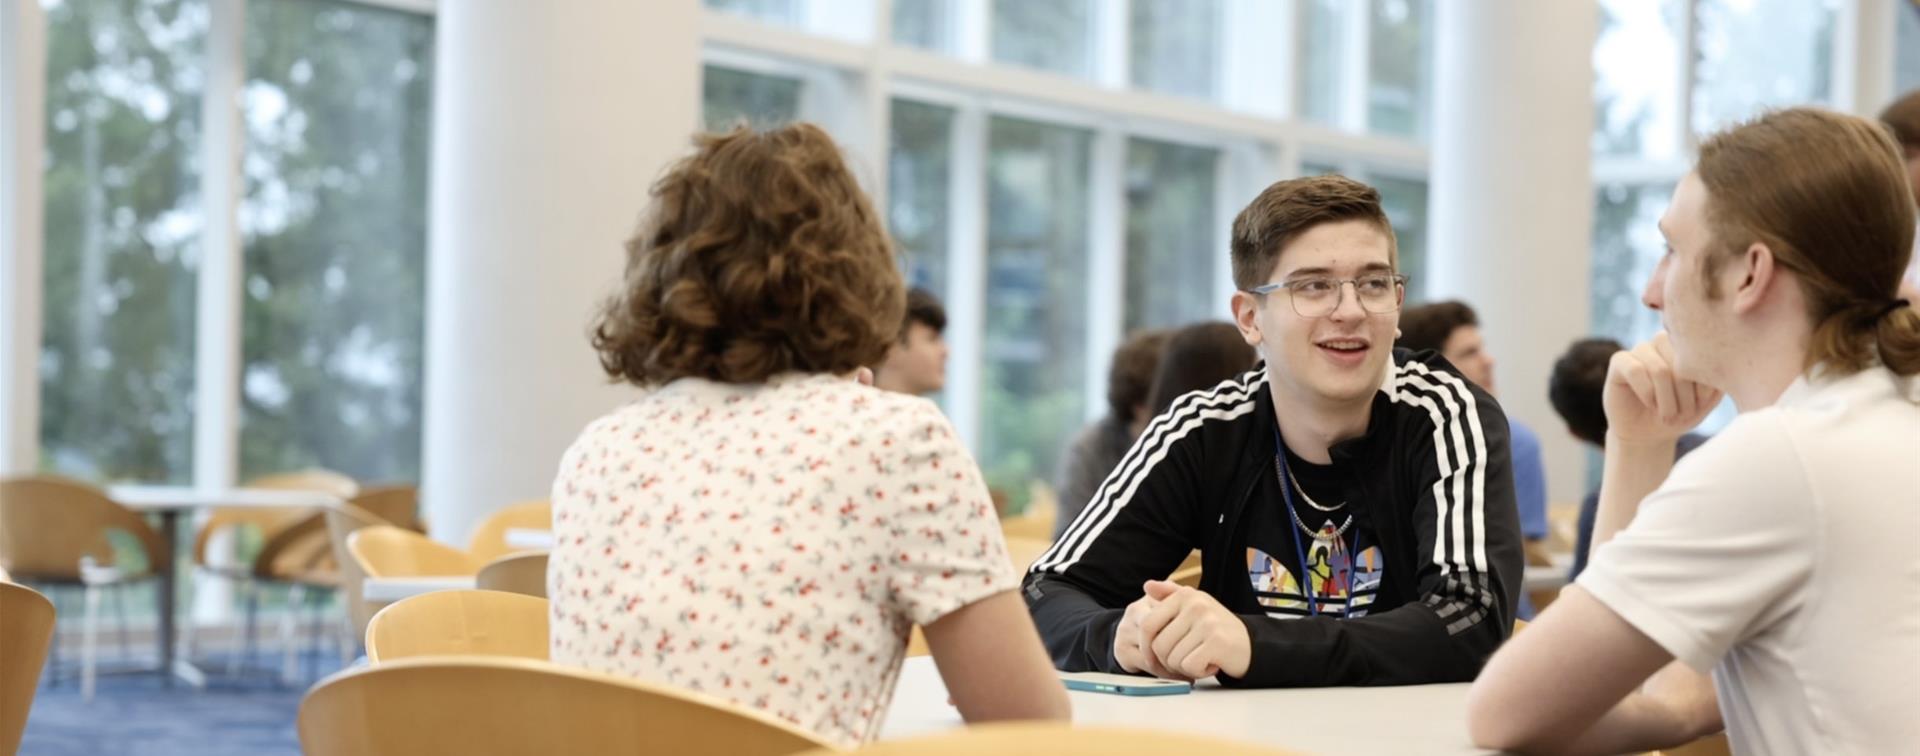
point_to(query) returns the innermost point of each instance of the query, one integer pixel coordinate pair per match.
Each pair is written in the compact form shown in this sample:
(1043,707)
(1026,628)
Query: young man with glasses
(1354,506)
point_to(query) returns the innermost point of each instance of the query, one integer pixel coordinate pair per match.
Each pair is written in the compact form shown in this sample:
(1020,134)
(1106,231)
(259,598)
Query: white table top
(529,538)
(394,589)
(1425,719)
(152,498)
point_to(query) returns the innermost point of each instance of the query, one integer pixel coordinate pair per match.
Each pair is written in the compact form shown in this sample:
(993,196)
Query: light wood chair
(524,573)
(1023,551)
(26,627)
(386,551)
(1187,576)
(292,555)
(489,541)
(1711,745)
(1050,739)
(342,521)
(288,557)
(53,531)
(459,623)
(1037,520)
(398,505)
(499,705)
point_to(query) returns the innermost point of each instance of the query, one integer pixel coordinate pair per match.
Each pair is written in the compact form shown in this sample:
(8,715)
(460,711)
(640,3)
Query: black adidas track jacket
(1435,469)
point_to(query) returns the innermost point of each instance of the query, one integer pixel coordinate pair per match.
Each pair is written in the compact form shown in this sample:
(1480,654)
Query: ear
(1246,317)
(1762,274)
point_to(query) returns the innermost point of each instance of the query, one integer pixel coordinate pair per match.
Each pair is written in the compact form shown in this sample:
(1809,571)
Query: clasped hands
(1180,633)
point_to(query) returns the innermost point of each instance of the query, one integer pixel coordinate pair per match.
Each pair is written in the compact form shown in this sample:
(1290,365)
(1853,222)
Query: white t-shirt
(1784,555)
(770,544)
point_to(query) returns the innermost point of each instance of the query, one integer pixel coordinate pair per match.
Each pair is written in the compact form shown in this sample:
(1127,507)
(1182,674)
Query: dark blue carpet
(134,714)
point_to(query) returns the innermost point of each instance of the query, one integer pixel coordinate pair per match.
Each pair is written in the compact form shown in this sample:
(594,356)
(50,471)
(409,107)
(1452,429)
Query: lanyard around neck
(1299,549)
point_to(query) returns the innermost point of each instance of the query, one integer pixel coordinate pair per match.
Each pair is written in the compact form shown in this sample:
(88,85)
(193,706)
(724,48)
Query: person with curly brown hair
(761,524)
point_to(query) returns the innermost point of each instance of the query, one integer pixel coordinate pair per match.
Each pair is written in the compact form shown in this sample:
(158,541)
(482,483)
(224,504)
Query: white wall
(1512,195)
(550,122)
(22,99)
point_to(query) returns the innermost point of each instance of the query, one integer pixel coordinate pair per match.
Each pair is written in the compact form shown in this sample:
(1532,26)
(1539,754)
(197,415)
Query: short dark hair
(1903,119)
(1288,209)
(1199,356)
(1430,325)
(924,308)
(1130,376)
(1575,386)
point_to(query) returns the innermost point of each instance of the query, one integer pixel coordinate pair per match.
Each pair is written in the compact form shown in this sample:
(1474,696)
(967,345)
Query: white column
(550,122)
(1512,196)
(23,69)
(967,271)
(216,387)
(1107,265)
(1863,55)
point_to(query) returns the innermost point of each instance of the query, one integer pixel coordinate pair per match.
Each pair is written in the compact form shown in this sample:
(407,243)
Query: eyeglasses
(1319,296)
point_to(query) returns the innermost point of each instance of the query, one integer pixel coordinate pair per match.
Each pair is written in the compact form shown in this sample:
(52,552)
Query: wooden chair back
(459,623)
(523,572)
(48,523)
(26,627)
(502,705)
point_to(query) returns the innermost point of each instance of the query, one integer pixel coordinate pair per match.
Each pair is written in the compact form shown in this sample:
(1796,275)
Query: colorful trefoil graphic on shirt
(1329,571)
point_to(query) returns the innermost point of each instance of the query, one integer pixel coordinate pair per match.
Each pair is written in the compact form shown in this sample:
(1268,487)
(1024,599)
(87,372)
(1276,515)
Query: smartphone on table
(1123,685)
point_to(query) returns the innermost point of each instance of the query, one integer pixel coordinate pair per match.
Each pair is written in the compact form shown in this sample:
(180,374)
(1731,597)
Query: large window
(1399,66)
(123,224)
(1626,247)
(923,23)
(337,112)
(1036,328)
(1746,57)
(1027,181)
(1751,56)
(920,168)
(1174,46)
(1636,85)
(334,107)
(1050,35)
(1405,200)
(1174,245)
(1367,66)
(730,97)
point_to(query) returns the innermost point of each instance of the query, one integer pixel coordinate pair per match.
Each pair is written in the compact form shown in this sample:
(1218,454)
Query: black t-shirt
(1342,531)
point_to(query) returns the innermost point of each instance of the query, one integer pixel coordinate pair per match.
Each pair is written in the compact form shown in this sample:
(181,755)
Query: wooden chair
(342,521)
(1037,520)
(53,531)
(26,627)
(489,541)
(1187,576)
(1023,551)
(1711,745)
(499,705)
(294,547)
(397,505)
(387,551)
(459,623)
(1051,739)
(524,573)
